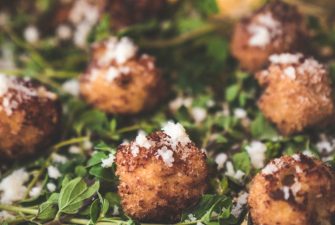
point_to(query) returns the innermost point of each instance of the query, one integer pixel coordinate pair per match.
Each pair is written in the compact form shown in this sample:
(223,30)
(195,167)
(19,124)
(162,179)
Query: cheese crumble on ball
(119,80)
(298,93)
(23,129)
(160,174)
(277,27)
(296,190)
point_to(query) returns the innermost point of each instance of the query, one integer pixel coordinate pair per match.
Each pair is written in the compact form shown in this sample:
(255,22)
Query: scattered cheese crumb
(230,172)
(166,155)
(177,134)
(71,87)
(51,187)
(35,191)
(290,72)
(108,162)
(112,73)
(58,158)
(256,151)
(53,172)
(286,191)
(12,187)
(240,113)
(140,141)
(179,102)
(263,30)
(4,215)
(64,32)
(198,114)
(31,34)
(285,58)
(241,201)
(116,210)
(73,149)
(220,160)
(4,84)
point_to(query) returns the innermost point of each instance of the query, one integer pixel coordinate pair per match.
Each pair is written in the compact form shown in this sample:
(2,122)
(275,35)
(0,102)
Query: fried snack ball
(29,117)
(293,190)
(275,28)
(160,175)
(120,81)
(297,94)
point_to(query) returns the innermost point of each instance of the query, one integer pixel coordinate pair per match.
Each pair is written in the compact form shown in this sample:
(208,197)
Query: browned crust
(313,204)
(154,192)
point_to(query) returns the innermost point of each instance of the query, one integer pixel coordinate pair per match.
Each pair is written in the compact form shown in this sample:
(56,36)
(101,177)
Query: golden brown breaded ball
(293,190)
(160,175)
(121,81)
(29,117)
(275,28)
(297,94)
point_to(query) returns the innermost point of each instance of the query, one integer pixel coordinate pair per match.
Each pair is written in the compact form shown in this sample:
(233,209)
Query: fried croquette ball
(293,190)
(297,94)
(120,81)
(29,117)
(275,28)
(128,12)
(160,174)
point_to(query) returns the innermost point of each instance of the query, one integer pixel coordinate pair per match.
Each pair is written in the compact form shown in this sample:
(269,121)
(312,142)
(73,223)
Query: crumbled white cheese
(166,155)
(119,50)
(296,157)
(116,210)
(108,162)
(53,172)
(12,187)
(177,134)
(263,30)
(191,218)
(73,149)
(220,160)
(290,72)
(240,113)
(296,187)
(230,172)
(4,215)
(311,66)
(87,145)
(31,34)
(51,187)
(35,191)
(124,50)
(198,114)
(112,73)
(286,191)
(269,169)
(285,58)
(308,153)
(64,32)
(325,144)
(256,151)
(241,201)
(58,158)
(142,141)
(71,87)
(178,102)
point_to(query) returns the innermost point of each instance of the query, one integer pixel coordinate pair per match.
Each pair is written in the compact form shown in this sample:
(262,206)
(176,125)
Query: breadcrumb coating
(297,94)
(294,190)
(29,117)
(156,187)
(275,28)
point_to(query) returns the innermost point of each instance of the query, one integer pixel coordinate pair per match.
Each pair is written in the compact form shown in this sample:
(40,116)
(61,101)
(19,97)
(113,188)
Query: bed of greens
(208,94)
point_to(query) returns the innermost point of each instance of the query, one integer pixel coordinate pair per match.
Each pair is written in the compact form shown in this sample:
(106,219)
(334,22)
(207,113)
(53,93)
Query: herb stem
(17,209)
(207,28)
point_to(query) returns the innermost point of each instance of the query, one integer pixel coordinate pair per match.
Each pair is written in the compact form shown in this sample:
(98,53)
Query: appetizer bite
(275,28)
(29,117)
(160,174)
(297,94)
(119,80)
(295,190)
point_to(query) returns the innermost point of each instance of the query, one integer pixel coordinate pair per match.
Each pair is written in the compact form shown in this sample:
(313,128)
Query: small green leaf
(262,129)
(242,162)
(95,211)
(232,92)
(73,194)
(47,211)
